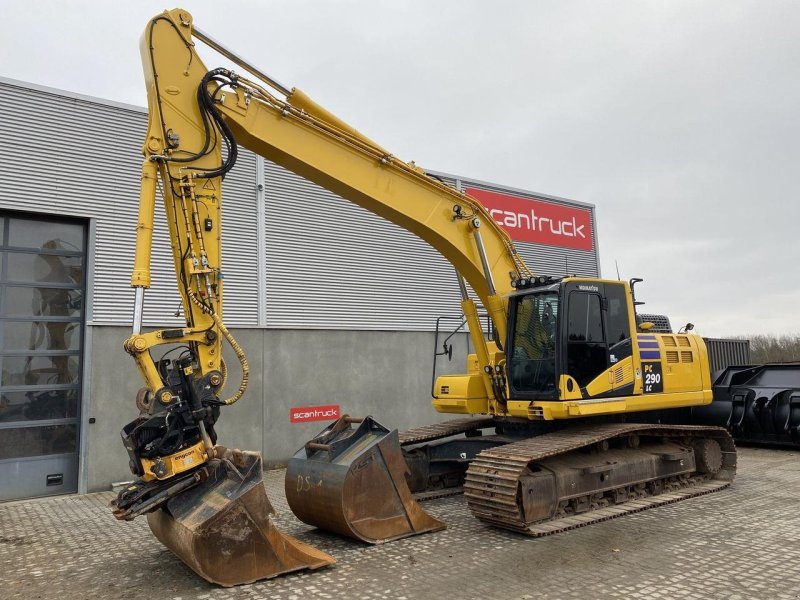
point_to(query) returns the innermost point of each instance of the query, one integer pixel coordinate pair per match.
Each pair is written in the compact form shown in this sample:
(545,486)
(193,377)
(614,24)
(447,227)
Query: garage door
(42,288)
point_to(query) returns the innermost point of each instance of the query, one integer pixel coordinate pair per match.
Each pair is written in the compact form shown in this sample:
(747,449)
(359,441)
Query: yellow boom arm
(193,111)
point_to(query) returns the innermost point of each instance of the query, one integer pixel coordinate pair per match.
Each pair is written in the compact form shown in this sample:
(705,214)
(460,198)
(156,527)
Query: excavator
(559,412)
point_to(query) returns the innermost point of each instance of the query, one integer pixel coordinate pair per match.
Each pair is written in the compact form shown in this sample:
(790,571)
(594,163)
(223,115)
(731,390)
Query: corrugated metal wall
(78,157)
(728,352)
(349,268)
(239,258)
(327,264)
(352,269)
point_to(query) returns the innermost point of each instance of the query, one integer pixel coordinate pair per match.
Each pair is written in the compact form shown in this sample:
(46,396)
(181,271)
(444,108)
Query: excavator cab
(577,339)
(565,335)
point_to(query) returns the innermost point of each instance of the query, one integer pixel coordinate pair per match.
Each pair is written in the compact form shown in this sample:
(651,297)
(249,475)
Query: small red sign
(537,221)
(327,412)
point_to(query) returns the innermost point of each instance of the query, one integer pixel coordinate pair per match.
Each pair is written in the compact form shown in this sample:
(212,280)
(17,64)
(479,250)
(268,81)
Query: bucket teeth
(222,528)
(352,481)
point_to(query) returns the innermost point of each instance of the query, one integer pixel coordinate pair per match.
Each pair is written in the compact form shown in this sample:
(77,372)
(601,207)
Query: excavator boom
(184,477)
(565,349)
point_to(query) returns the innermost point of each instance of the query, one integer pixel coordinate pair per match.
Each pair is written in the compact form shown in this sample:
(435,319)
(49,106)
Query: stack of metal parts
(757,404)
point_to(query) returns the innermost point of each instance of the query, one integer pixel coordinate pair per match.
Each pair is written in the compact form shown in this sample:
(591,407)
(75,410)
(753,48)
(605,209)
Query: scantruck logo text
(327,412)
(538,222)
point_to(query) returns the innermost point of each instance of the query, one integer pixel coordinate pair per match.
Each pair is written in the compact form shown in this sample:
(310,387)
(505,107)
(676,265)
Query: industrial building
(320,293)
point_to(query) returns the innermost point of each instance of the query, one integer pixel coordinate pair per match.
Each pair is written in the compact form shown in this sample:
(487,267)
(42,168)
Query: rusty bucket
(222,528)
(352,481)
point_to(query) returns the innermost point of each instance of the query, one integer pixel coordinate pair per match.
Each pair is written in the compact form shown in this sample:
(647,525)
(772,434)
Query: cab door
(587,350)
(618,336)
(598,338)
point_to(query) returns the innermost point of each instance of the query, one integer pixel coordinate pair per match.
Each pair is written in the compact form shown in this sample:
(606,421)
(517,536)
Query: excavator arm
(193,112)
(197,119)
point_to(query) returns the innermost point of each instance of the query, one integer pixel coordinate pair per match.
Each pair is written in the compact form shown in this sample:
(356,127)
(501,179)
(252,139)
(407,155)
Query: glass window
(587,353)
(38,441)
(39,370)
(38,405)
(45,268)
(532,367)
(38,335)
(42,302)
(585,322)
(47,235)
(617,323)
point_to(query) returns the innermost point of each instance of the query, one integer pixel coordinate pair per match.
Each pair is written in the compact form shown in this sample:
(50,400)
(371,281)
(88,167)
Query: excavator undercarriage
(539,485)
(577,476)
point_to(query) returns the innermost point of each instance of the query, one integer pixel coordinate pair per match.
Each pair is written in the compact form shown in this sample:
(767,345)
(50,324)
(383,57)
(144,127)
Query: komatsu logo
(538,221)
(568,228)
(588,288)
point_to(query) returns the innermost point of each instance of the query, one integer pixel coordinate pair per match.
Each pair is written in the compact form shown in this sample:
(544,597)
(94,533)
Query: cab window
(587,351)
(617,324)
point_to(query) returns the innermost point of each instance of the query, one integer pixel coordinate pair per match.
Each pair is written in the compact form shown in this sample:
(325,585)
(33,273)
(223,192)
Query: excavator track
(437,431)
(496,478)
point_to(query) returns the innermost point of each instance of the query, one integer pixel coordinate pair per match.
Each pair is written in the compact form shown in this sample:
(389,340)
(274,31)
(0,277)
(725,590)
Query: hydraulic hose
(237,349)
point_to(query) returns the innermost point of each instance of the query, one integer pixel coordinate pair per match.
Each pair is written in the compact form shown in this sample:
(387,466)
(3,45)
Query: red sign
(301,414)
(539,222)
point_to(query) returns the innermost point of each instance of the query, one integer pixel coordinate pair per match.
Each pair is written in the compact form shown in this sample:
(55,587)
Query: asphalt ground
(740,543)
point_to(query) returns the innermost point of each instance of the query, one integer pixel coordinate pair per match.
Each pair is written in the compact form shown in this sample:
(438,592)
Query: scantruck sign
(326,412)
(538,222)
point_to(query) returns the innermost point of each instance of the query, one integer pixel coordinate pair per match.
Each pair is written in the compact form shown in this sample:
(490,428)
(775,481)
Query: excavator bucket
(222,528)
(352,481)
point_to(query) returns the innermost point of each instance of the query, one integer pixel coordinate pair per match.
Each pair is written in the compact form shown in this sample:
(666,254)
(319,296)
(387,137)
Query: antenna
(617,265)
(566,265)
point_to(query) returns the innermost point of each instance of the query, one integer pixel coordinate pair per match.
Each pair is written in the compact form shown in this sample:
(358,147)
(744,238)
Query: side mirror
(447,350)
(646,326)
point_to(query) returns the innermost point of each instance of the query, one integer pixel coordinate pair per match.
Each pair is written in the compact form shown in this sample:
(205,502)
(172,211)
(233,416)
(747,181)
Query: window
(585,323)
(618,326)
(42,287)
(532,365)
(587,352)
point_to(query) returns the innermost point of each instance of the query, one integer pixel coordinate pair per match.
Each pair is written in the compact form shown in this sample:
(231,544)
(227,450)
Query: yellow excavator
(562,420)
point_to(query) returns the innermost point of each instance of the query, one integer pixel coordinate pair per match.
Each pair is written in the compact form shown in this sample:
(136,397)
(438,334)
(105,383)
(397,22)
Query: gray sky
(678,119)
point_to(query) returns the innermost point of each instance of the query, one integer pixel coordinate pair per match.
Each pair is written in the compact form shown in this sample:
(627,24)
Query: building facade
(333,305)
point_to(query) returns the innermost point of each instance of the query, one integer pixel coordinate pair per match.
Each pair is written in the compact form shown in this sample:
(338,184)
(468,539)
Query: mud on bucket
(351,481)
(222,528)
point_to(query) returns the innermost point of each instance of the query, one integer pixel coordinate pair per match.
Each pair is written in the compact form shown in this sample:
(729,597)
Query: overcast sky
(677,119)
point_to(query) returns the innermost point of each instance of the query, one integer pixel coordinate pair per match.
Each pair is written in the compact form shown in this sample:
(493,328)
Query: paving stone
(740,543)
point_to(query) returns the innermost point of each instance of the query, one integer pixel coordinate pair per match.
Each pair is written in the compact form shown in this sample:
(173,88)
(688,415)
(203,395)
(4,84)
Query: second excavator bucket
(222,528)
(352,481)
